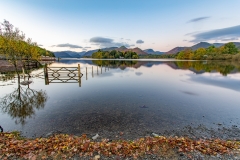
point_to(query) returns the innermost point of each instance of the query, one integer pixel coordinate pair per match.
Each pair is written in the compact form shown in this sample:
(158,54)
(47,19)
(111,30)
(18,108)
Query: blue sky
(81,25)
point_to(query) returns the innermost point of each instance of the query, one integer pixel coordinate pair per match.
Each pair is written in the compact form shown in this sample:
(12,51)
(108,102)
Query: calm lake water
(134,97)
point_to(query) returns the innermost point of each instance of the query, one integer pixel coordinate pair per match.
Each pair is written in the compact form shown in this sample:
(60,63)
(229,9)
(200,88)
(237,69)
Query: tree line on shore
(114,54)
(226,52)
(16,48)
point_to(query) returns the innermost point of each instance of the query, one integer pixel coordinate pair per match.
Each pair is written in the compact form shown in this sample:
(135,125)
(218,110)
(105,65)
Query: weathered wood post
(79,75)
(101,69)
(97,70)
(92,71)
(86,73)
(46,75)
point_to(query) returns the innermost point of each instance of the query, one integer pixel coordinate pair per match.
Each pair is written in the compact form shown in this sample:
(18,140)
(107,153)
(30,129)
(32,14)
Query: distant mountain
(138,51)
(89,53)
(199,45)
(62,54)
(69,54)
(176,50)
(218,44)
(122,49)
(151,51)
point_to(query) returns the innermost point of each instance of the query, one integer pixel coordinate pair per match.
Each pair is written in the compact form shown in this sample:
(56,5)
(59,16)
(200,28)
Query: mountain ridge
(72,54)
(199,45)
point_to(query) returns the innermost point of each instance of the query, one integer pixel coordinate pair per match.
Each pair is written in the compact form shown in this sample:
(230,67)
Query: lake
(136,98)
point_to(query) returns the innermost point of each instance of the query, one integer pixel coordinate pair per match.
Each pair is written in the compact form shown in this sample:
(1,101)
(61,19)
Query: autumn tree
(14,45)
(199,53)
(10,42)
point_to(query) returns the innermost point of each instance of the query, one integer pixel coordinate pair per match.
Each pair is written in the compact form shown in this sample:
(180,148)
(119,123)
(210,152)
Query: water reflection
(7,76)
(134,97)
(22,102)
(219,81)
(198,67)
(223,67)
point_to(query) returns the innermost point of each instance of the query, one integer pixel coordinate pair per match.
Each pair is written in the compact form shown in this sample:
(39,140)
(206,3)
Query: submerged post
(86,73)
(79,75)
(46,75)
(92,71)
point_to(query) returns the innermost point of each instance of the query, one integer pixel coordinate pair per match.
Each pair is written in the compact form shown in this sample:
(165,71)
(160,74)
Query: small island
(115,54)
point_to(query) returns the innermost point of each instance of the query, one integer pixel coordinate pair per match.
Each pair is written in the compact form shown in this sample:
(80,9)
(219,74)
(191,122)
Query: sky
(82,25)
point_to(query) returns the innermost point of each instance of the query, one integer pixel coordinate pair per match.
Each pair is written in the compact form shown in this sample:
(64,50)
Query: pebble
(155,135)
(95,137)
(181,154)
(97,157)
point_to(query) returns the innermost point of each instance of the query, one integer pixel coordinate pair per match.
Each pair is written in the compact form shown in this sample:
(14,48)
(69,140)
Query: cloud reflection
(218,81)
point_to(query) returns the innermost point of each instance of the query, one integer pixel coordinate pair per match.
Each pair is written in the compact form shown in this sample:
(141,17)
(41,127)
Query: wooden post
(46,75)
(105,68)
(101,69)
(97,70)
(92,71)
(86,73)
(79,75)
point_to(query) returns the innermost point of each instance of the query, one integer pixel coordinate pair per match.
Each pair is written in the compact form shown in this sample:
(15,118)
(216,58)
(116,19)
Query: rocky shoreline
(199,132)
(65,146)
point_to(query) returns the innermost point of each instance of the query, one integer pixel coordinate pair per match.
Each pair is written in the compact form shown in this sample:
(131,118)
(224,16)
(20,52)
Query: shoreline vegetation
(58,146)
(229,51)
(17,49)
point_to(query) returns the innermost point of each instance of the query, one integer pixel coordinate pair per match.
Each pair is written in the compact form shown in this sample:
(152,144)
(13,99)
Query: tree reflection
(22,103)
(223,67)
